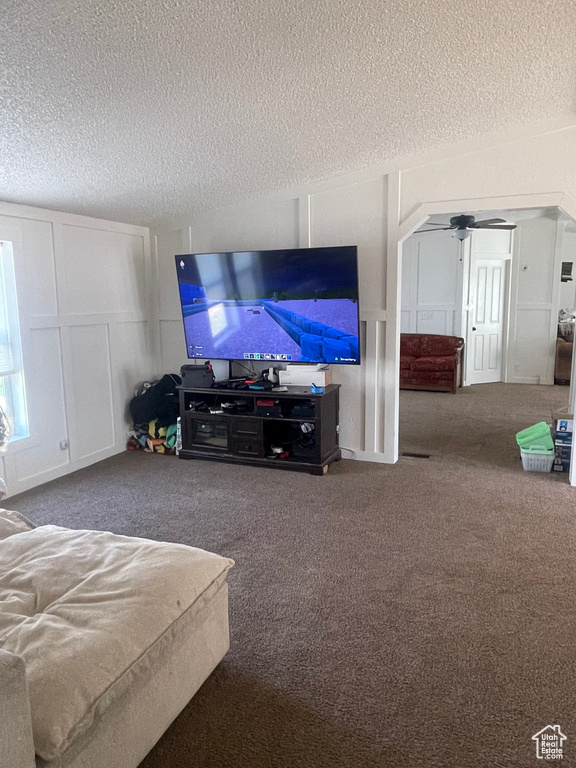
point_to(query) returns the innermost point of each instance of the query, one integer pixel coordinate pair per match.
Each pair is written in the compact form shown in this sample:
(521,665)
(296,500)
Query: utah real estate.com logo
(549,743)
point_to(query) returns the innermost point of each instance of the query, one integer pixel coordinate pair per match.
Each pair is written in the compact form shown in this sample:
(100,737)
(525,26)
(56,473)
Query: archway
(398,235)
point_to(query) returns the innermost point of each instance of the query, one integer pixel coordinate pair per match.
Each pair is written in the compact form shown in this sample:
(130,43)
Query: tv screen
(298,305)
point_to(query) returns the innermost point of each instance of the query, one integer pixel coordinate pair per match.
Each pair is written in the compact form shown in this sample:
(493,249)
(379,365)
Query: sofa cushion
(446,363)
(83,608)
(406,361)
(432,346)
(410,344)
(423,377)
(13,522)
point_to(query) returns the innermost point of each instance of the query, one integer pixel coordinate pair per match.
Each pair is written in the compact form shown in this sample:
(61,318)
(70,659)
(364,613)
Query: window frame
(23,438)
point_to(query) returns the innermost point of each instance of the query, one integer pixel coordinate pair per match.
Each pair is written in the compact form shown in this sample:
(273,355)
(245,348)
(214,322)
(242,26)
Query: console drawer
(248,446)
(246,428)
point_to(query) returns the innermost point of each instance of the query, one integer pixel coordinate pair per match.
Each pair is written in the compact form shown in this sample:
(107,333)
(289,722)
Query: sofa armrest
(459,351)
(16,742)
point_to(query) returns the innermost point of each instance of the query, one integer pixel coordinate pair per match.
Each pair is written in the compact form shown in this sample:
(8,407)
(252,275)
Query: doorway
(508,311)
(461,288)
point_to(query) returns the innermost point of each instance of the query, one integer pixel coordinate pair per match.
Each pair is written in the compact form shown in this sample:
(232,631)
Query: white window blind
(13,391)
(6,352)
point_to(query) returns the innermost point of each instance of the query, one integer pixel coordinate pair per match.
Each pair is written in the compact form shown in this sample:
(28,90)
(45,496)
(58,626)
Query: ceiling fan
(464,225)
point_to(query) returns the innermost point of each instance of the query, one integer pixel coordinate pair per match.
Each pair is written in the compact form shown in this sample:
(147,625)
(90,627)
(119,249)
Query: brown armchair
(431,361)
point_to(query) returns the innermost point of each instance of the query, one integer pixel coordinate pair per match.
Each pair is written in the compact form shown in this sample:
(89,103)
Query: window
(12,393)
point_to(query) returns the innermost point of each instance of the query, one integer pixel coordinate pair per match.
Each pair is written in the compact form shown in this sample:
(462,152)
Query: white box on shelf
(305,378)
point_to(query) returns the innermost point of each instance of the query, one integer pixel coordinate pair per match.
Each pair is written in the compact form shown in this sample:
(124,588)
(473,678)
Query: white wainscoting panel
(352,405)
(89,390)
(532,345)
(168,244)
(100,271)
(36,274)
(536,260)
(45,390)
(491,242)
(129,355)
(354,215)
(437,269)
(431,283)
(259,227)
(435,321)
(535,299)
(173,346)
(406,321)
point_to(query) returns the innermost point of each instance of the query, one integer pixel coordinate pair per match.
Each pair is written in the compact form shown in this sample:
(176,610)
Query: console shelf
(301,423)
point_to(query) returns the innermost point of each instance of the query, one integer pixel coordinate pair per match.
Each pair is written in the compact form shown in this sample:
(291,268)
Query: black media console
(296,430)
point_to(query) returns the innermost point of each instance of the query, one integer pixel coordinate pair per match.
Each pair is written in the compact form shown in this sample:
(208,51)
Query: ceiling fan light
(461,234)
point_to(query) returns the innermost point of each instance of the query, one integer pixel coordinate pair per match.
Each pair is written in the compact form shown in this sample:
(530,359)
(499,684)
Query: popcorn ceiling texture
(147,111)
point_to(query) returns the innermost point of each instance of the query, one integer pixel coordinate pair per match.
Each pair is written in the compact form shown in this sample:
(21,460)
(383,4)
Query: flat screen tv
(298,305)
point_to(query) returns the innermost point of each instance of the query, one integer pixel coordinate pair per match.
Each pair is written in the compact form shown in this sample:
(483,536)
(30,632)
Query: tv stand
(297,430)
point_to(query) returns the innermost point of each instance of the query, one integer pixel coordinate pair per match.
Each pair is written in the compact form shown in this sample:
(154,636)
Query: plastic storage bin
(538,436)
(537,458)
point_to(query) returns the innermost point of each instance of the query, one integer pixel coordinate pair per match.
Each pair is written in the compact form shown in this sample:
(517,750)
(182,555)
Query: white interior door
(486,320)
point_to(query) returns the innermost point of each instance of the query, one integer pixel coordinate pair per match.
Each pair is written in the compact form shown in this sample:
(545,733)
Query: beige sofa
(103,640)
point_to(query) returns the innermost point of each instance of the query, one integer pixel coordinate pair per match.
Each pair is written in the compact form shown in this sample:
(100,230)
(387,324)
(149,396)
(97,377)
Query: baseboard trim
(379,458)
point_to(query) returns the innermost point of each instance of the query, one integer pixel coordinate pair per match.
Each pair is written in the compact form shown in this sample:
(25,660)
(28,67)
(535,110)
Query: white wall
(432,284)
(535,299)
(83,293)
(376,208)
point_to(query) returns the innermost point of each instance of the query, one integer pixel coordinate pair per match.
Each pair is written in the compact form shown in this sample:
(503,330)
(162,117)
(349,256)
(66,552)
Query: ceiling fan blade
(495,226)
(489,221)
(435,224)
(419,231)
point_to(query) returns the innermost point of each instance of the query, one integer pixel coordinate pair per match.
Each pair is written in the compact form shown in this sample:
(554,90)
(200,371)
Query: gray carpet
(478,425)
(421,614)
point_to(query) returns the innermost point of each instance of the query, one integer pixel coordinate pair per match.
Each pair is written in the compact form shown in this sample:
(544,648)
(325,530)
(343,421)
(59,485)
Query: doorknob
(473,327)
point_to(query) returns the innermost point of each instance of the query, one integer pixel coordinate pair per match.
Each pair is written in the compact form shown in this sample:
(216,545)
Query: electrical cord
(251,372)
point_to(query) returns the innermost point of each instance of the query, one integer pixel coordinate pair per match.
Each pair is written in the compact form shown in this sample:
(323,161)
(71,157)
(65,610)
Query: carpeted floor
(422,614)
(478,425)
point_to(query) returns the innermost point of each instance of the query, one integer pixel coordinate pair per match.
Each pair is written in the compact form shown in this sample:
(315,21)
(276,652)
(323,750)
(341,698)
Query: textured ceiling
(147,111)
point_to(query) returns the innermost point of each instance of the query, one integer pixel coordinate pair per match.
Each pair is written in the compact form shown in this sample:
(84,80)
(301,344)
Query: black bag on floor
(160,401)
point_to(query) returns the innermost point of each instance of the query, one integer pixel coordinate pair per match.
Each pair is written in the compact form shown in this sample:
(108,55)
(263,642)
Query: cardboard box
(564,422)
(562,438)
(563,452)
